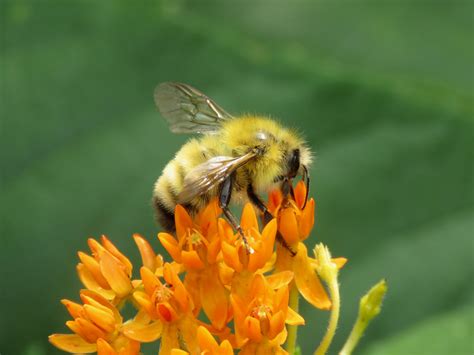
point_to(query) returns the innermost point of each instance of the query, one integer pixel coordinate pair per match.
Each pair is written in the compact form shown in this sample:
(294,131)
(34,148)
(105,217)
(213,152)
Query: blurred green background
(382,90)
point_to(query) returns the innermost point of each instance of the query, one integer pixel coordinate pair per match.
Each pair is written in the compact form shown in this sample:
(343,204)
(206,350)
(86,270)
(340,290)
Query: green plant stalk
(369,307)
(356,333)
(293,329)
(333,286)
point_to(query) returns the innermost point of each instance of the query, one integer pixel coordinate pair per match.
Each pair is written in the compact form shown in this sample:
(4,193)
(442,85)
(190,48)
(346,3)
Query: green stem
(356,333)
(369,307)
(333,319)
(293,329)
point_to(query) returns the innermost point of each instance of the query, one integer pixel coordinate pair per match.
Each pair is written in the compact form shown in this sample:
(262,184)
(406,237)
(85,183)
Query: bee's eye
(294,163)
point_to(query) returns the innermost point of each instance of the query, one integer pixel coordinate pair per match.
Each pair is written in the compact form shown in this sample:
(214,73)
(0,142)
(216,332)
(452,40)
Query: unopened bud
(371,303)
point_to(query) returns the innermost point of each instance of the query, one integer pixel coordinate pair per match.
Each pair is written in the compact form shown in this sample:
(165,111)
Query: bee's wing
(210,174)
(188,110)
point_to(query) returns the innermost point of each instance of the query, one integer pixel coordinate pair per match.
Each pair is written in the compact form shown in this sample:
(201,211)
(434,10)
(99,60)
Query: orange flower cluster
(214,297)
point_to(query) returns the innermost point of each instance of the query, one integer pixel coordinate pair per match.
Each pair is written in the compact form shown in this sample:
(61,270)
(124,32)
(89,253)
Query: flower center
(194,238)
(261,312)
(162,294)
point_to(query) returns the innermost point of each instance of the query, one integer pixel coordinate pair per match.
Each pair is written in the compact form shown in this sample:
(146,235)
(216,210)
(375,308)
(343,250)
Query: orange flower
(149,258)
(197,243)
(197,247)
(107,271)
(97,326)
(295,221)
(295,224)
(260,317)
(235,252)
(169,307)
(208,345)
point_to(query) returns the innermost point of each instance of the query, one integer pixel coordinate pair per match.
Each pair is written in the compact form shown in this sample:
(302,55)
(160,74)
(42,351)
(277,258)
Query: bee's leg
(267,216)
(306,181)
(257,202)
(224,200)
(287,188)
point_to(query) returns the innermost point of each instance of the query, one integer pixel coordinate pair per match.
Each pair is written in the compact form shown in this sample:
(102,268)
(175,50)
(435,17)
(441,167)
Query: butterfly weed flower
(197,246)
(97,327)
(107,271)
(208,345)
(260,317)
(213,296)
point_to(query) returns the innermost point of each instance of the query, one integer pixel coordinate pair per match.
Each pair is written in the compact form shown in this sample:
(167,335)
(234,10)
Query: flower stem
(356,333)
(369,307)
(333,319)
(292,329)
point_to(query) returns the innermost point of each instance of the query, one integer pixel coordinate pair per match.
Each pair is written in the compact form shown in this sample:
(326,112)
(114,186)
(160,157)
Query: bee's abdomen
(163,215)
(165,194)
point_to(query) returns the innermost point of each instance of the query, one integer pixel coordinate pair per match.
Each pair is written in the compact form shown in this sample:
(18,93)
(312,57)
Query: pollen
(261,312)
(194,238)
(162,294)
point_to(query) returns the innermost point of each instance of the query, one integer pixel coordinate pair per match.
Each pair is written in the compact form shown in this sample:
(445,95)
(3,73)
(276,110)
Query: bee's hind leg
(267,216)
(225,194)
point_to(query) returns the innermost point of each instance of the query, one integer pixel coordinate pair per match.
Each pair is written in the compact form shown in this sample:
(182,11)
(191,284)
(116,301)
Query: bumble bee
(234,160)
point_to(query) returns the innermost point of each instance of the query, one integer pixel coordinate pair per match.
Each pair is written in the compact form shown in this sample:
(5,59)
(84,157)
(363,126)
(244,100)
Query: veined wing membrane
(210,174)
(187,110)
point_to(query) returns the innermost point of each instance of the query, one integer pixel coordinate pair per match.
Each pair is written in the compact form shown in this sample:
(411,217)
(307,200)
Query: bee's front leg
(225,194)
(267,216)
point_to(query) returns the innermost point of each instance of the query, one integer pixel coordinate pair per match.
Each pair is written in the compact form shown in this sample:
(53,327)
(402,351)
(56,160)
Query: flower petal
(340,262)
(89,330)
(249,219)
(206,340)
(94,299)
(171,245)
(280,279)
(115,252)
(288,226)
(90,283)
(104,348)
(307,280)
(213,251)
(115,275)
(182,220)
(100,317)
(300,194)
(293,318)
(191,260)
(146,252)
(277,324)
(274,200)
(144,301)
(257,286)
(150,281)
(253,329)
(72,343)
(74,309)
(306,221)
(93,266)
(178,352)
(166,312)
(143,333)
(180,293)
(214,298)
(231,256)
